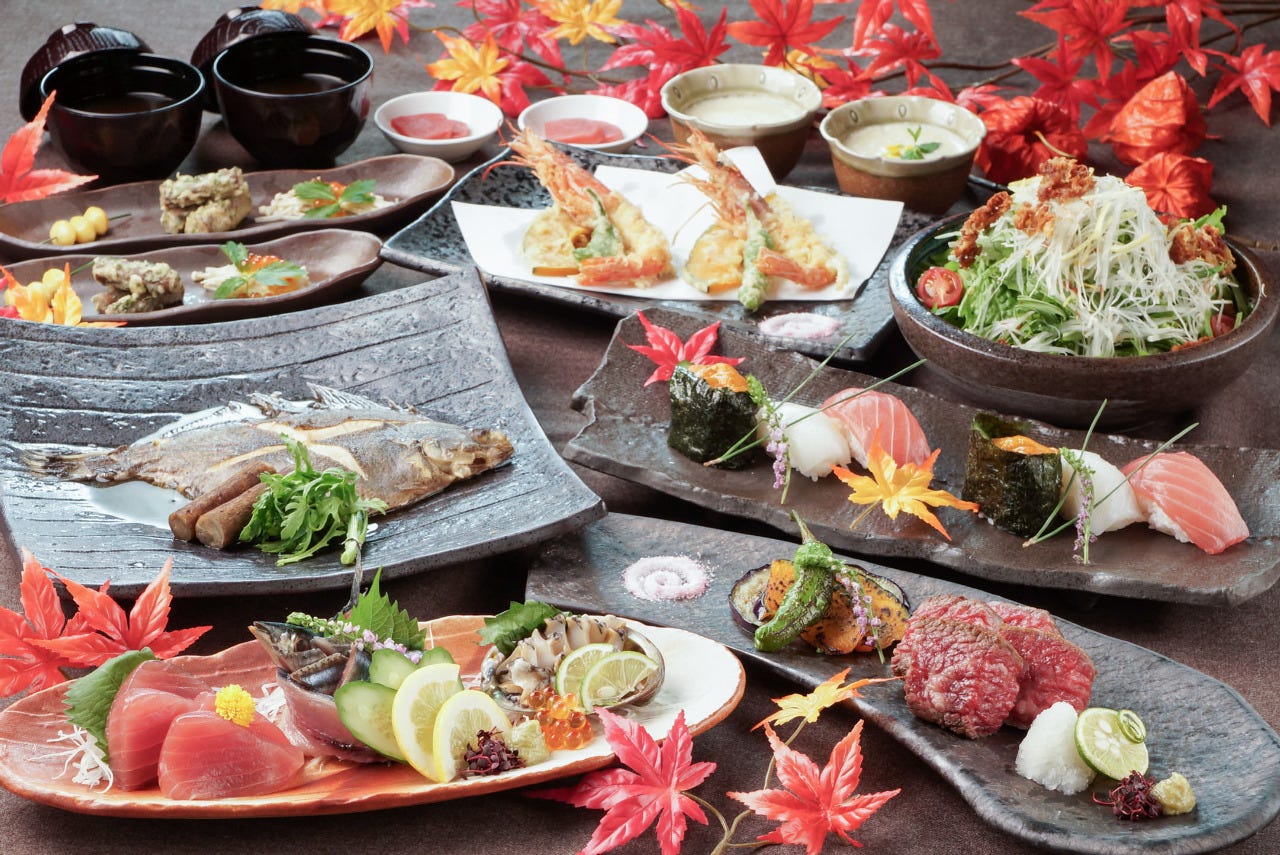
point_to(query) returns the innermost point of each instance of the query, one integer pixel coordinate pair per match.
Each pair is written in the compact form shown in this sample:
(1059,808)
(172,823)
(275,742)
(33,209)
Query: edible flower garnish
(61,307)
(375,621)
(897,488)
(258,275)
(334,199)
(656,783)
(667,350)
(234,704)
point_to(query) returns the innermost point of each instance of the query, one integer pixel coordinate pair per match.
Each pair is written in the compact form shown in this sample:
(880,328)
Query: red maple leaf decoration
(815,803)
(651,788)
(844,84)
(1060,78)
(898,48)
(24,664)
(1023,133)
(979,98)
(1184,18)
(1087,25)
(1175,184)
(782,26)
(103,630)
(18,181)
(1255,74)
(513,26)
(667,351)
(872,15)
(653,44)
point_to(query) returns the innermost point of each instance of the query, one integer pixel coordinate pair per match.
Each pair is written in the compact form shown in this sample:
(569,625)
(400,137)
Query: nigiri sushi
(815,442)
(1114,504)
(869,416)
(1183,498)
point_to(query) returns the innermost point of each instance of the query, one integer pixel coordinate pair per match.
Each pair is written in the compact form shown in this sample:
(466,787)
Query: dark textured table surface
(552,351)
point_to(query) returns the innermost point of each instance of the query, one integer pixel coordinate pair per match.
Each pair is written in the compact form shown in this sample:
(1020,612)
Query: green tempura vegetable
(755,284)
(605,240)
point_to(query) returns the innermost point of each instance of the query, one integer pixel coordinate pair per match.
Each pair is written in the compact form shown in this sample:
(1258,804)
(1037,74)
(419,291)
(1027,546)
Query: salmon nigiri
(1182,497)
(227,751)
(878,416)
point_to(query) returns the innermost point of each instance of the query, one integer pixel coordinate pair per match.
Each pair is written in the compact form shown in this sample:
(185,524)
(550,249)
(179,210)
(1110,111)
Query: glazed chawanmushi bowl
(745,105)
(868,139)
(1068,390)
(124,115)
(293,101)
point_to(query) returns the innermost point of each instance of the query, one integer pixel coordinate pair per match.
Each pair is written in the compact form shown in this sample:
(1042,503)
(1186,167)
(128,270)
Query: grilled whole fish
(400,457)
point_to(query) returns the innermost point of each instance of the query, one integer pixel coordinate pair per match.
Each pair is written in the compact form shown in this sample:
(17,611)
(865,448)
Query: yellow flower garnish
(471,68)
(578,19)
(900,488)
(63,306)
(234,704)
(825,695)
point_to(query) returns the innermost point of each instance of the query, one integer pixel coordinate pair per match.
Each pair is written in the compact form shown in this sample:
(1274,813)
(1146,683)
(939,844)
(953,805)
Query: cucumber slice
(389,667)
(365,709)
(435,654)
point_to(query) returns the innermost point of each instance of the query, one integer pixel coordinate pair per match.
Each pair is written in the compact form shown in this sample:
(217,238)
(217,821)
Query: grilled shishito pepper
(808,598)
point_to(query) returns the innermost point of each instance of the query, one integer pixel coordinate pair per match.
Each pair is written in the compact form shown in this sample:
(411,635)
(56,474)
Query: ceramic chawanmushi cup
(293,101)
(124,115)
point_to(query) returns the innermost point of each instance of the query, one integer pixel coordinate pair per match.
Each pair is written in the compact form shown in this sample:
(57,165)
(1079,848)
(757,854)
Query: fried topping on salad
(1062,178)
(966,247)
(1187,243)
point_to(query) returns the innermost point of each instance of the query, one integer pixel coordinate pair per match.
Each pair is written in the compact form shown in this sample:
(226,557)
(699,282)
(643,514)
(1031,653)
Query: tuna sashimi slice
(137,725)
(205,756)
(1182,497)
(1056,670)
(878,416)
(164,676)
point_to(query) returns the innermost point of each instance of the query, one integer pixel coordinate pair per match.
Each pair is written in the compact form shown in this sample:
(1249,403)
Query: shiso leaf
(89,699)
(505,630)
(382,615)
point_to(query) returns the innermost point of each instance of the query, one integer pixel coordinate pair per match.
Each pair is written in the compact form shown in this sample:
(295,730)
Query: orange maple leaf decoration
(826,694)
(815,802)
(18,181)
(37,645)
(896,488)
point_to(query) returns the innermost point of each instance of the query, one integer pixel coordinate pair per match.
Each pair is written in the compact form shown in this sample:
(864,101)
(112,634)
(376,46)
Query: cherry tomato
(939,287)
(1223,322)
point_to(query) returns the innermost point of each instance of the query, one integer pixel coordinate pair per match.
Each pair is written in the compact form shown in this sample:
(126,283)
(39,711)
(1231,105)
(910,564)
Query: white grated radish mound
(1048,752)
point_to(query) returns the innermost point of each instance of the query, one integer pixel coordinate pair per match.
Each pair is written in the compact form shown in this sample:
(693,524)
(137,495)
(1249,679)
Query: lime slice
(526,739)
(462,717)
(1104,746)
(613,678)
(414,710)
(1131,726)
(574,666)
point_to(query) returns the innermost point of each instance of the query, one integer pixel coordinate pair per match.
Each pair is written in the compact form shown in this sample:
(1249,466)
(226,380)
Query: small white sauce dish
(482,117)
(628,118)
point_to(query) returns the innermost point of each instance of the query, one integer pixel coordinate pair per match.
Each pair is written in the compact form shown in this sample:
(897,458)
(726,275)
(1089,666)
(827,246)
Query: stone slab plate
(409,181)
(627,437)
(1195,722)
(433,345)
(336,260)
(434,243)
(704,681)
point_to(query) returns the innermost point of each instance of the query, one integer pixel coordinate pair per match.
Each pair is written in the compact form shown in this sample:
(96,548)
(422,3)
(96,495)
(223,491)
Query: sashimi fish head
(423,457)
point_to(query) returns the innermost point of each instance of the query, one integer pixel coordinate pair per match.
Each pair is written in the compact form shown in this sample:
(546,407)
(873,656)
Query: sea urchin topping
(234,704)
(1133,799)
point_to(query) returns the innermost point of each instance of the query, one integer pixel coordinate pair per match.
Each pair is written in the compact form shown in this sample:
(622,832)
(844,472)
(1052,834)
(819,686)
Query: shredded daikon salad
(1091,276)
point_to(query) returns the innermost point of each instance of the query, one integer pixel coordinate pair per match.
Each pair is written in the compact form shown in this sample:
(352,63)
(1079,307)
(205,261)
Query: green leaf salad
(1070,263)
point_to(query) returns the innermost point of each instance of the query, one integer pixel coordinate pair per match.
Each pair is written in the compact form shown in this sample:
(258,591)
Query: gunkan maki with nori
(1015,480)
(711,410)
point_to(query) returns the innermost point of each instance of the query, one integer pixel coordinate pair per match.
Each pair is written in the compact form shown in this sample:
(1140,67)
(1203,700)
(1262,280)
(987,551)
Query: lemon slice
(1105,745)
(614,677)
(462,717)
(415,708)
(574,666)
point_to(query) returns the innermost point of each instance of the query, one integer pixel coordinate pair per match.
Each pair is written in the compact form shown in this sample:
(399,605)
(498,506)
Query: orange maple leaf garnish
(824,695)
(815,803)
(18,181)
(104,630)
(900,488)
(386,17)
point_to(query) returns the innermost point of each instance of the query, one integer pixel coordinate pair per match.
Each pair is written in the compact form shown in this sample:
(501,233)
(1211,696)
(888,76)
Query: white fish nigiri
(1115,505)
(815,443)
(1183,498)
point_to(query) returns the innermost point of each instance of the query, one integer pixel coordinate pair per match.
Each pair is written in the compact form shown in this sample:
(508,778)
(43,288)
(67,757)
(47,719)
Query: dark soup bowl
(297,102)
(1067,390)
(122,115)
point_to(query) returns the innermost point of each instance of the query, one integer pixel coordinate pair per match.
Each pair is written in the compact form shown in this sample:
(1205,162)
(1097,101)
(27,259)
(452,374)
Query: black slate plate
(435,244)
(434,345)
(336,261)
(409,181)
(627,437)
(1196,724)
